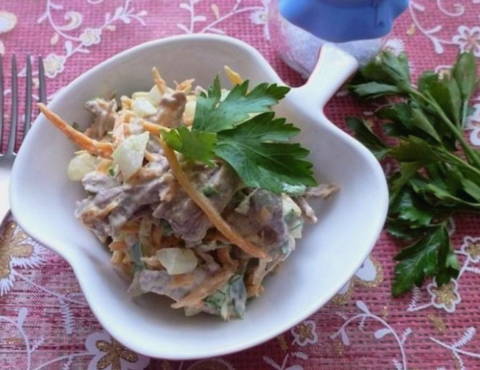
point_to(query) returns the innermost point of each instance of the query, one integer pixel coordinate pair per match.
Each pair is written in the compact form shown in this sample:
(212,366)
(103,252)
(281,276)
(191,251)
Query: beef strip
(321,191)
(262,222)
(112,204)
(104,113)
(170,109)
(160,282)
(105,190)
(186,219)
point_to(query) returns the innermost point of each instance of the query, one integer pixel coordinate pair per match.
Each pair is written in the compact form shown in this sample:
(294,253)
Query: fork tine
(28,97)
(2,107)
(42,84)
(14,111)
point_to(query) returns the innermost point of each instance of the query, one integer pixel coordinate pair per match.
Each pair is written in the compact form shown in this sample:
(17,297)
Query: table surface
(45,323)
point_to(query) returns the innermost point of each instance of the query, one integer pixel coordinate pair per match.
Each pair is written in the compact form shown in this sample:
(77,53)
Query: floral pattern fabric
(45,321)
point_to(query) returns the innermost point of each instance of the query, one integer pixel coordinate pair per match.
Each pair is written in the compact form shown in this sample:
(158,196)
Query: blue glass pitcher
(343,20)
(299,28)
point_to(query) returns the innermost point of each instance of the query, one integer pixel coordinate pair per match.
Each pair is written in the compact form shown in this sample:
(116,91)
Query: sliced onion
(294,224)
(129,154)
(154,95)
(140,94)
(143,107)
(189,113)
(177,260)
(288,205)
(80,165)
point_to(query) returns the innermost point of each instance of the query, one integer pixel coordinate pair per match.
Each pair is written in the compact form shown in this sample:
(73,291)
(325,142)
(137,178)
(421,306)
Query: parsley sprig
(437,172)
(241,129)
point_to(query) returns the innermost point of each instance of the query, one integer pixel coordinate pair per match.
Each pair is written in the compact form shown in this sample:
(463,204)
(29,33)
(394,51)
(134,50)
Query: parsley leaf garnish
(436,171)
(259,152)
(195,145)
(242,130)
(213,114)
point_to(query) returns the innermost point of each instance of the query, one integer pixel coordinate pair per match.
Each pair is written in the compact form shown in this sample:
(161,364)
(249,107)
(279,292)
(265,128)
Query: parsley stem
(470,153)
(461,162)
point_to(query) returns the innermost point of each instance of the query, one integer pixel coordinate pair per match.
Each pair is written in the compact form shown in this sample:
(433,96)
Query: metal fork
(7,156)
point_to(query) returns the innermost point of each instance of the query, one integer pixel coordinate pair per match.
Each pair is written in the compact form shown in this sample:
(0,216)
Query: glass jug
(299,28)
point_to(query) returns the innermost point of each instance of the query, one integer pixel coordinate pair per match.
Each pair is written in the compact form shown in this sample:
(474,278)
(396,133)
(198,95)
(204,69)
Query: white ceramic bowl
(43,201)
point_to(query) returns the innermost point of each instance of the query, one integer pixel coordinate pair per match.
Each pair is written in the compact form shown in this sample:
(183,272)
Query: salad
(198,194)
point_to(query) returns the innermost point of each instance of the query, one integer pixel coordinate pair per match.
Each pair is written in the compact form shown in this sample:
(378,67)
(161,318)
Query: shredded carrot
(171,241)
(214,234)
(126,258)
(149,156)
(205,289)
(104,165)
(204,204)
(153,128)
(159,81)
(254,279)
(233,76)
(181,280)
(117,245)
(152,263)
(157,236)
(94,213)
(185,86)
(117,257)
(223,255)
(118,132)
(131,227)
(90,145)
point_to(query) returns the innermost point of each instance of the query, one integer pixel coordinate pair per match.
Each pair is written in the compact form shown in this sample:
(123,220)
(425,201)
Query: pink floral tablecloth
(44,320)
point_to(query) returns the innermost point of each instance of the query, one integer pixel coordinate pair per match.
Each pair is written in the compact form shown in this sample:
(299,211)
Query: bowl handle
(333,68)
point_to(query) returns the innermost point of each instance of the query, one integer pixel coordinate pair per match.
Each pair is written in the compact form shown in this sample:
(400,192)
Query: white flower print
(54,64)
(91,36)
(468,39)
(471,247)
(385,330)
(457,349)
(78,40)
(445,296)
(109,354)
(475,116)
(370,274)
(475,136)
(17,249)
(474,125)
(7,23)
(259,17)
(305,333)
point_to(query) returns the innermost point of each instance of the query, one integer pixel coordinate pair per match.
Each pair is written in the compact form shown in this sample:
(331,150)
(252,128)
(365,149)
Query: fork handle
(4,193)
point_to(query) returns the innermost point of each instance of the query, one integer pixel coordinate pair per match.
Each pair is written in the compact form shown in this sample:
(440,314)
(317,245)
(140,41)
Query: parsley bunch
(241,129)
(437,172)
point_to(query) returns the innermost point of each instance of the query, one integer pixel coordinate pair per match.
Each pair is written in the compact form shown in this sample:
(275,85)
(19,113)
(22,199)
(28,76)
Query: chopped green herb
(209,191)
(136,256)
(166,228)
(230,300)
